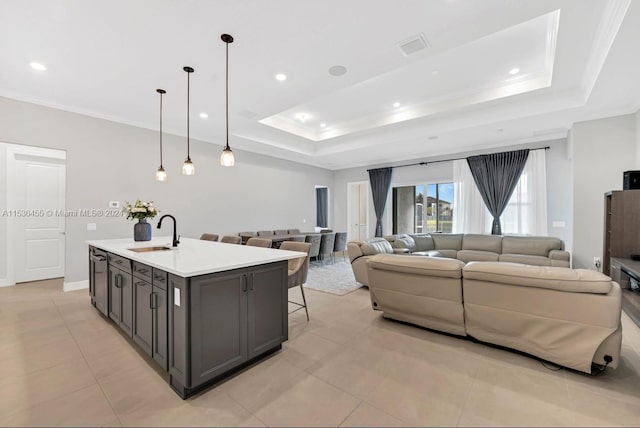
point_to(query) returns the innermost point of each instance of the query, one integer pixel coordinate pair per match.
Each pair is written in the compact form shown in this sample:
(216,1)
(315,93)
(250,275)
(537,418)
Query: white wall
(602,150)
(559,187)
(3,206)
(111,161)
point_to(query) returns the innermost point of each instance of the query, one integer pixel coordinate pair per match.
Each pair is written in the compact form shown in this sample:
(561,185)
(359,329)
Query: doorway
(35,213)
(358,210)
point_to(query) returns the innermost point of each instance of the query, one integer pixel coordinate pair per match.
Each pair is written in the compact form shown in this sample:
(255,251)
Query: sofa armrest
(559,255)
(401,251)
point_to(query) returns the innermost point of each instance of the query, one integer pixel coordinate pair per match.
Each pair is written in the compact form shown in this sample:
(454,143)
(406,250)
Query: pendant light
(227,158)
(161,174)
(188,168)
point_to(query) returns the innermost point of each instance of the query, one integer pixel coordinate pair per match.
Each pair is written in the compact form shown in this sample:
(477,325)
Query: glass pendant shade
(188,168)
(227,158)
(161,174)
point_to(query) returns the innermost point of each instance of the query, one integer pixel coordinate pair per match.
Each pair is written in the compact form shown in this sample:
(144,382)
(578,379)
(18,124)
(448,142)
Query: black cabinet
(142,315)
(99,280)
(150,314)
(159,319)
(121,293)
(235,316)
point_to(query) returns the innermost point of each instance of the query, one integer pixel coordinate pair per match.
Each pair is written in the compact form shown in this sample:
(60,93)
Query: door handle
(151,301)
(244,282)
(251,281)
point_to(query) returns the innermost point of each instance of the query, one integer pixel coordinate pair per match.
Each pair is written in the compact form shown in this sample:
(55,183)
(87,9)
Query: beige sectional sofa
(570,317)
(533,250)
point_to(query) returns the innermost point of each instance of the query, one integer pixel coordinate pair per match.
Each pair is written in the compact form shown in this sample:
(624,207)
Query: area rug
(335,278)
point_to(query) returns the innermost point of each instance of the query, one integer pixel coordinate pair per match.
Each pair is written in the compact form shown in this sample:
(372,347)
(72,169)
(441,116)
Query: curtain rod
(446,160)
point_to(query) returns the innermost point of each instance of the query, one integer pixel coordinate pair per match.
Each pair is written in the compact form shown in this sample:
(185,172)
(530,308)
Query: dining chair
(259,242)
(209,237)
(231,239)
(340,244)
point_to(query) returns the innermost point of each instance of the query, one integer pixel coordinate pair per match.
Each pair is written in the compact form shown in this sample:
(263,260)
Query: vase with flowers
(141,211)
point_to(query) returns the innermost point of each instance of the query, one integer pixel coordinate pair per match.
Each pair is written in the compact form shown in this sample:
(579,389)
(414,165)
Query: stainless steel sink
(148,249)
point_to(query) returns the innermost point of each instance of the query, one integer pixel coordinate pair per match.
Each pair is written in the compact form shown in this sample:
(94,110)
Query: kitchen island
(201,310)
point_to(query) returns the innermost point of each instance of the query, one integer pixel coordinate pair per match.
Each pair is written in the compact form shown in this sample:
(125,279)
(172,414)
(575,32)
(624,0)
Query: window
(423,208)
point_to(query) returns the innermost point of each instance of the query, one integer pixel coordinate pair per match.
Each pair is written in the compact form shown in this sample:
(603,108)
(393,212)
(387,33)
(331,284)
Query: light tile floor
(61,363)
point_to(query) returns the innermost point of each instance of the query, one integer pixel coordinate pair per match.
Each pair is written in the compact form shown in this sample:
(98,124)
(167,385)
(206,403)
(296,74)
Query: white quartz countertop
(195,257)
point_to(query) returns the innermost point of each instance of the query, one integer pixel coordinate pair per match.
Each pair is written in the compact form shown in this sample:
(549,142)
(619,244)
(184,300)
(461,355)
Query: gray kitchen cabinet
(143,314)
(198,327)
(159,319)
(235,316)
(121,293)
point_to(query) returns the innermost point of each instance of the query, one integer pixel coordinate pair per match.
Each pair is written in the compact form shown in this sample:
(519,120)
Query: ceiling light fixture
(323,125)
(161,174)
(514,71)
(396,104)
(227,158)
(204,115)
(281,77)
(338,70)
(187,167)
(302,117)
(37,66)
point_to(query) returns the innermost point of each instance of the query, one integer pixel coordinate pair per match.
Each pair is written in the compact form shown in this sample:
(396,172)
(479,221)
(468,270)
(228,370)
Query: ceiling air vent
(414,44)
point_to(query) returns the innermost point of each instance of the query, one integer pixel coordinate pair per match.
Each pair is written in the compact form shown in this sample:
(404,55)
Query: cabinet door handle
(251,281)
(117,278)
(141,283)
(151,301)
(244,282)
(143,270)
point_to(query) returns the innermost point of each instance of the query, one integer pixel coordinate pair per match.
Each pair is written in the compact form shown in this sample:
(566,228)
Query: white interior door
(358,210)
(35,208)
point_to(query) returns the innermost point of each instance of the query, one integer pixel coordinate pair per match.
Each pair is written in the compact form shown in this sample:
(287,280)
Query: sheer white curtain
(526,213)
(470,214)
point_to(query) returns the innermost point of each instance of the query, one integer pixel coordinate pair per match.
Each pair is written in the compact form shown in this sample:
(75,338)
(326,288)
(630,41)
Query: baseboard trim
(76,285)
(6,283)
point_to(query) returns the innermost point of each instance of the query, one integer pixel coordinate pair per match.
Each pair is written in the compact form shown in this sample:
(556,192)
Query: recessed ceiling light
(302,117)
(396,104)
(37,66)
(435,71)
(204,115)
(323,125)
(281,77)
(514,71)
(338,70)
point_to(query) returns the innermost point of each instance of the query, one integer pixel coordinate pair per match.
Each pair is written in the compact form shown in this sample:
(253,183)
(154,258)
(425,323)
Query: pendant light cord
(227,94)
(161,129)
(188,115)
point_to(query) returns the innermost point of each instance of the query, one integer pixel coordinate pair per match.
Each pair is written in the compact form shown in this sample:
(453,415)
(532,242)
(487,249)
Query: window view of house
(423,208)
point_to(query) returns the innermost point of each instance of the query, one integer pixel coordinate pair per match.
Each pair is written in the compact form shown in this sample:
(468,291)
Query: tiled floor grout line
(351,412)
(90,369)
(248,411)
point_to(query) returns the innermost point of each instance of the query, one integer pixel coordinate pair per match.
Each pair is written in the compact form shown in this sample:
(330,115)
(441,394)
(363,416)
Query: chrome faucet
(176,239)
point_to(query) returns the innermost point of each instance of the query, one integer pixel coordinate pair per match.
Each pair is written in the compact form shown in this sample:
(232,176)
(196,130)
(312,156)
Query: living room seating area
(567,316)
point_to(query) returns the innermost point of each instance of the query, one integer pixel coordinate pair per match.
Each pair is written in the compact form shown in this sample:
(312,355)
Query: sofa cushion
(554,278)
(491,243)
(446,254)
(449,268)
(403,241)
(376,246)
(525,259)
(424,242)
(477,256)
(447,241)
(532,245)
